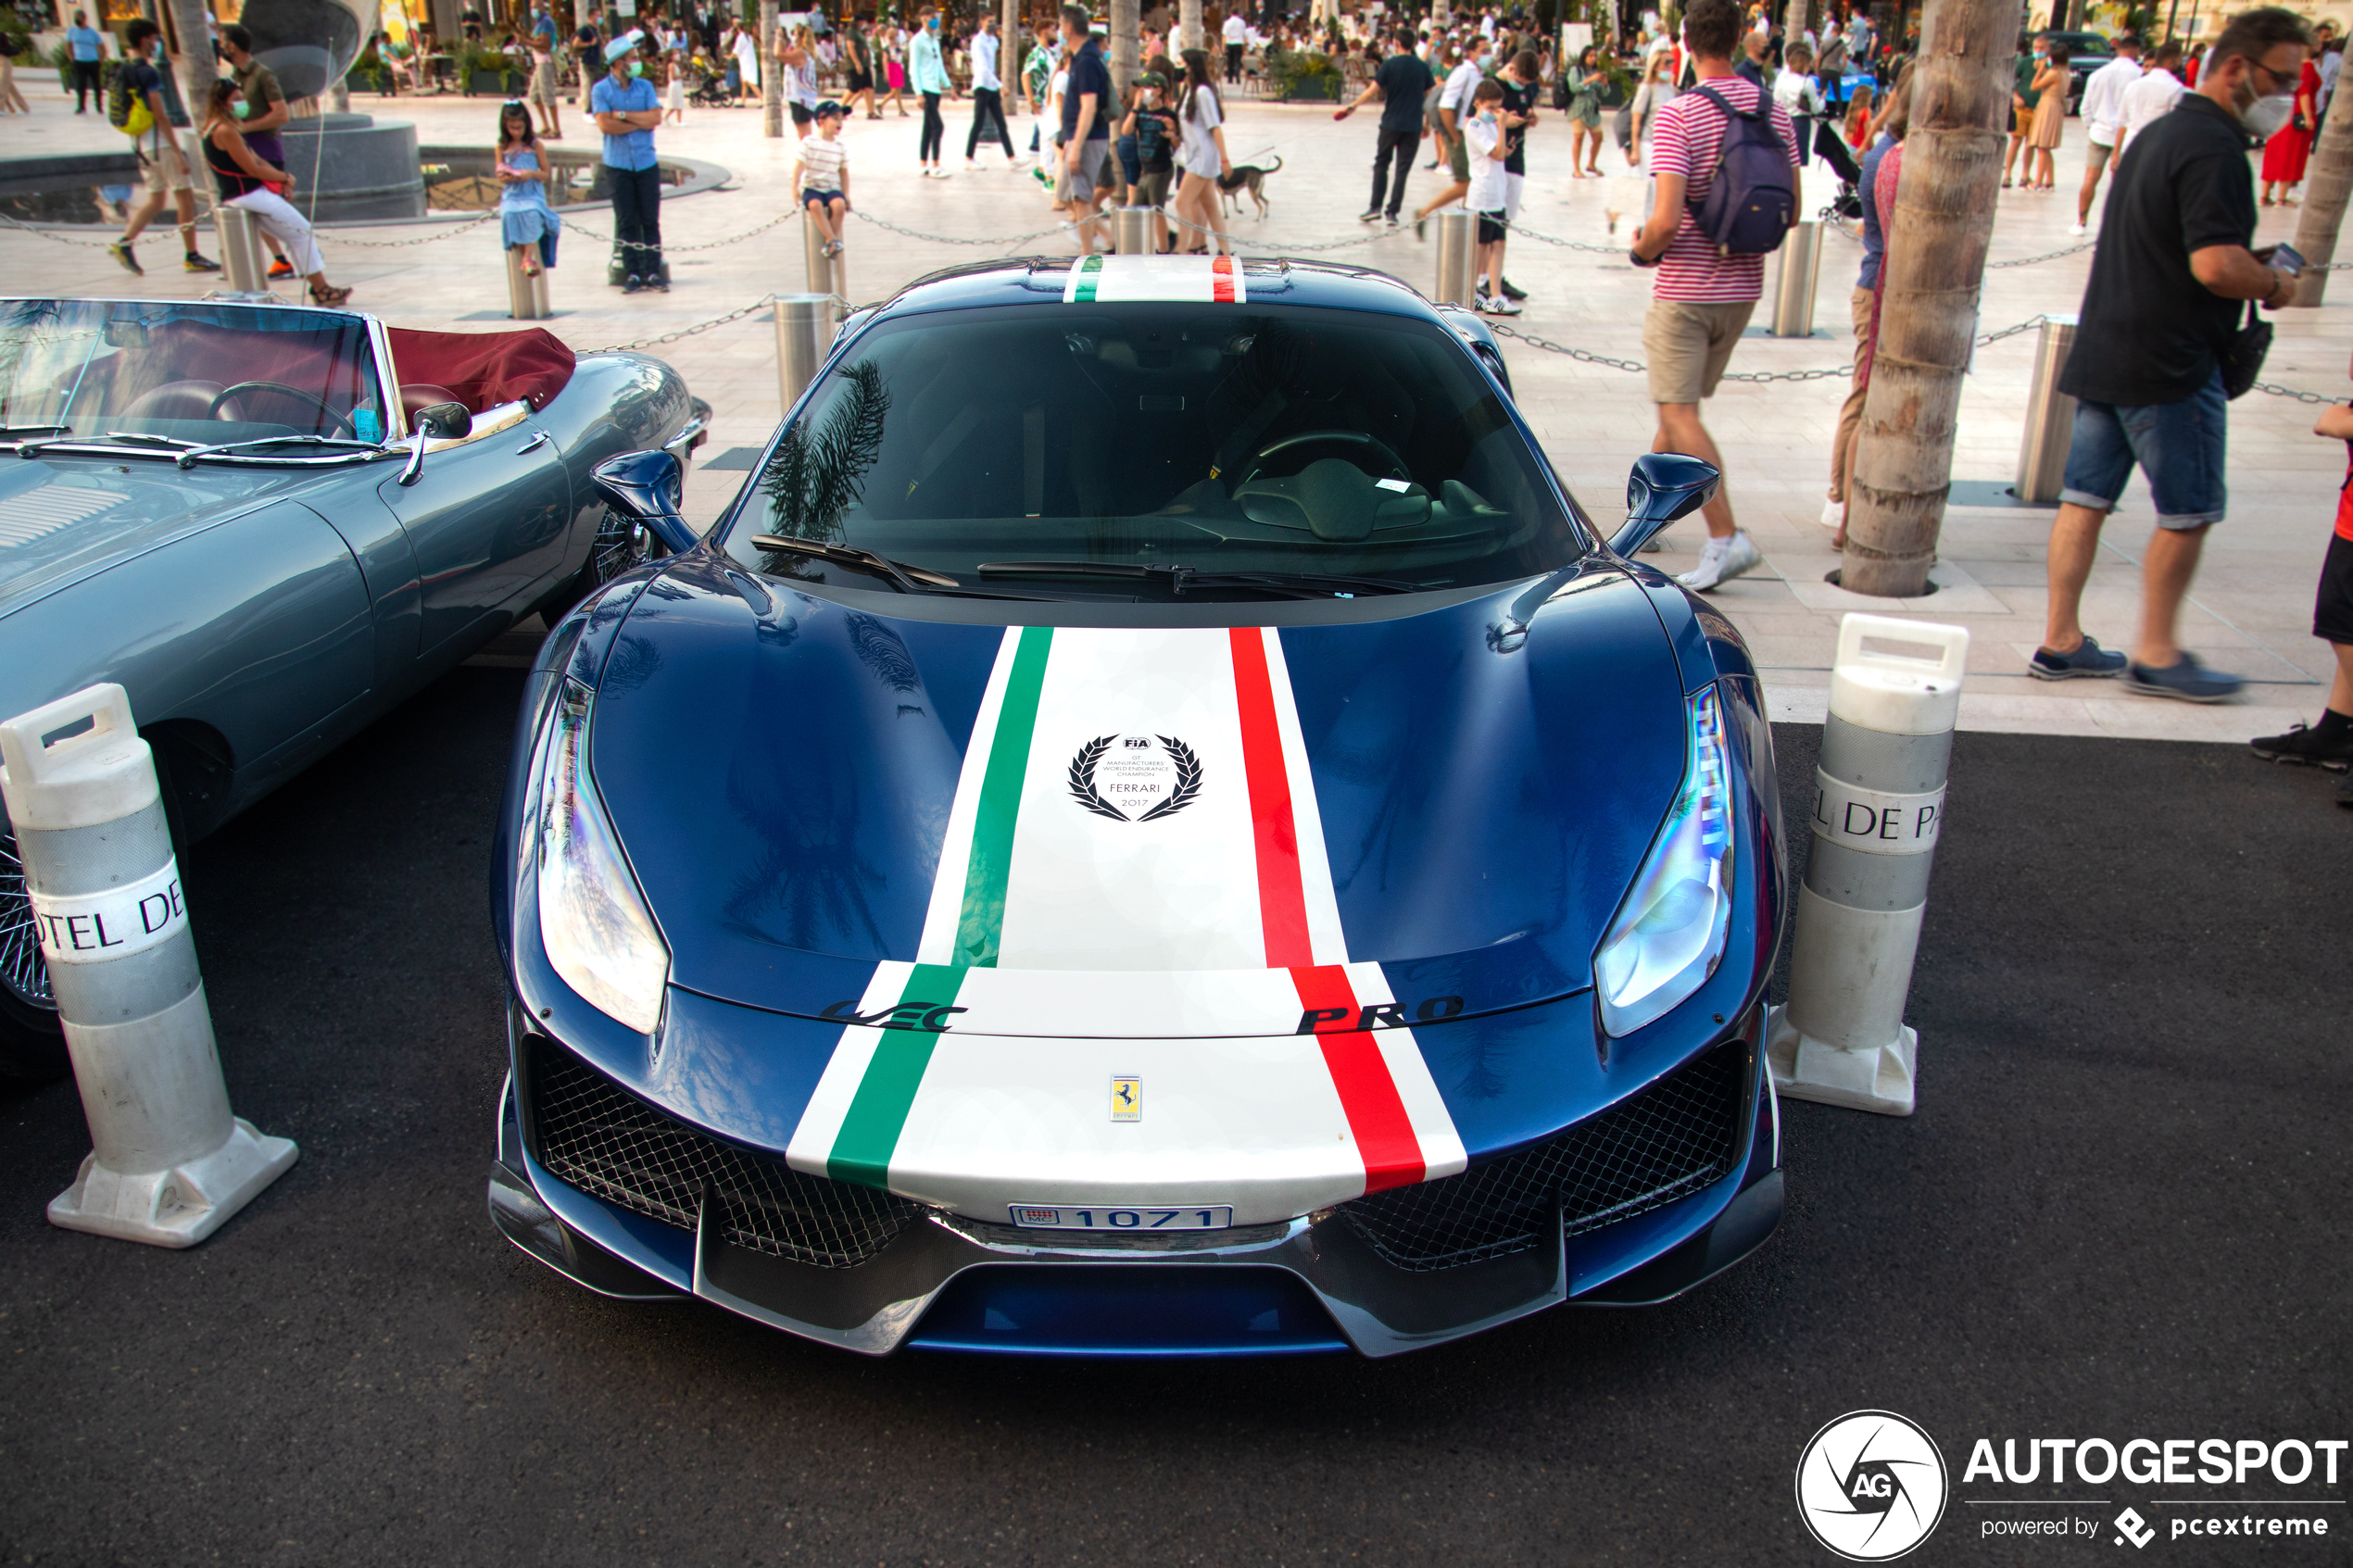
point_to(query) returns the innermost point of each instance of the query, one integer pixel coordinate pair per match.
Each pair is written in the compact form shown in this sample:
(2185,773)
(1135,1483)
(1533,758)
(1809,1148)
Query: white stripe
(937,945)
(1442,1152)
(812,1139)
(1184,280)
(1180,893)
(1325,937)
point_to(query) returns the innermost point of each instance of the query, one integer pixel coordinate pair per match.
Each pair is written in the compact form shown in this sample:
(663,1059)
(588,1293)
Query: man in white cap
(627,108)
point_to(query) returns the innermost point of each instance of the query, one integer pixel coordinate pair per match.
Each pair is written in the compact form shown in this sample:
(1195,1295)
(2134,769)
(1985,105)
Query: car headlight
(1669,933)
(593,922)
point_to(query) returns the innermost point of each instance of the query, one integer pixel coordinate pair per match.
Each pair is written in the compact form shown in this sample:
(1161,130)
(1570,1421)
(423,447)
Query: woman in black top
(246,181)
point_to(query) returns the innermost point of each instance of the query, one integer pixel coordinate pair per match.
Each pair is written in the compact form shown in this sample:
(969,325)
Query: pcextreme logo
(1871,1486)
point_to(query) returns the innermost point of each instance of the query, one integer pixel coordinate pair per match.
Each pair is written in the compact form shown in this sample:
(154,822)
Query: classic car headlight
(1669,933)
(593,922)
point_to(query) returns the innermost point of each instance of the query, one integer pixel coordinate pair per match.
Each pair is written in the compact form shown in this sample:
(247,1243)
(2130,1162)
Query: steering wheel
(297,393)
(1354,437)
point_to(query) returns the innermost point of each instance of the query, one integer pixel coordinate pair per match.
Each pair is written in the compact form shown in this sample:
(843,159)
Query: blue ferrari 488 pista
(1153,824)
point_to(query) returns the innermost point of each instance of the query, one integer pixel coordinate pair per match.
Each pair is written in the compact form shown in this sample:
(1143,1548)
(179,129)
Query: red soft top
(483,369)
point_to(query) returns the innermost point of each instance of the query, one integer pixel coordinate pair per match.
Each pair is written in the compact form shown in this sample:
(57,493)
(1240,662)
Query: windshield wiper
(1299,584)
(351,444)
(906,578)
(7,431)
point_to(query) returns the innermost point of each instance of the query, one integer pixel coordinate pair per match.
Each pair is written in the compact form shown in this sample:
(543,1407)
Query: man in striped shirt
(1702,301)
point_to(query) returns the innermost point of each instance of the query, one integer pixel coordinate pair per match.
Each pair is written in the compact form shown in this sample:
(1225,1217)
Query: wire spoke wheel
(22,970)
(622,545)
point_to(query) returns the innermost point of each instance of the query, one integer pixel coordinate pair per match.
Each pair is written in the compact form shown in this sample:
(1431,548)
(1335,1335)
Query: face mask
(241,108)
(637,67)
(2265,116)
(932,26)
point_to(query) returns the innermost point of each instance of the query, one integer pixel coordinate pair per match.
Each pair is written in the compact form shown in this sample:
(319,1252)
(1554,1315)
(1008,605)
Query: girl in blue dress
(526,222)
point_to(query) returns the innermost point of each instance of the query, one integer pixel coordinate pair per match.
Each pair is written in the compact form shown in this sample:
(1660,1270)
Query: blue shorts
(822,198)
(2179,446)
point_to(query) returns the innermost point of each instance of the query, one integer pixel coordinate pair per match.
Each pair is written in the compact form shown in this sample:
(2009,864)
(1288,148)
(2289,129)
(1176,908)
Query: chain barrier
(1519,233)
(339,240)
(50,234)
(2278,391)
(960,240)
(2046,255)
(761,304)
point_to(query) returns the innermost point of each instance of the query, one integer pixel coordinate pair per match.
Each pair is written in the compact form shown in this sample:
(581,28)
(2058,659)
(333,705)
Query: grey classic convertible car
(272,523)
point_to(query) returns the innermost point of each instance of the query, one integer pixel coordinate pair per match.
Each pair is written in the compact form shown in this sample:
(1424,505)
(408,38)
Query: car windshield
(1070,449)
(197,373)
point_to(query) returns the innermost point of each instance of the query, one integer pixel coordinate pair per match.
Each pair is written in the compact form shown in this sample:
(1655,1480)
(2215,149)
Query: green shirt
(2027,65)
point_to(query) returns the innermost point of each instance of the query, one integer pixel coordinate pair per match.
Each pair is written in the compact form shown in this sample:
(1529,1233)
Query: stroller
(706,88)
(1832,148)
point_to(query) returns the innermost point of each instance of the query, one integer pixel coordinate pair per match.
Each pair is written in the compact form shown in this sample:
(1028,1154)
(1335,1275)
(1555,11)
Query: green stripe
(870,1128)
(1090,270)
(982,923)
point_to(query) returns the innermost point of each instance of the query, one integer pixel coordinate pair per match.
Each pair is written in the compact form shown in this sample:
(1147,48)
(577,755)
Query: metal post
(2050,416)
(1799,282)
(244,264)
(527,293)
(1131,230)
(805,325)
(169,1164)
(1457,258)
(828,274)
(1879,805)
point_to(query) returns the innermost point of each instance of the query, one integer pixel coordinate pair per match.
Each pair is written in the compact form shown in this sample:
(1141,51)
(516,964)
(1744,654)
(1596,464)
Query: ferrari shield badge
(1135,778)
(1127,1099)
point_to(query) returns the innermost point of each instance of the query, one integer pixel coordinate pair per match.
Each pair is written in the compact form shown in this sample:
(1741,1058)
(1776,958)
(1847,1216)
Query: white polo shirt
(2144,103)
(1460,85)
(2104,98)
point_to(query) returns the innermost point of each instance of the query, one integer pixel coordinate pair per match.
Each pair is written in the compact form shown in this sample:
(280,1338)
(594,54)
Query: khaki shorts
(544,91)
(1688,347)
(164,171)
(2096,158)
(1458,159)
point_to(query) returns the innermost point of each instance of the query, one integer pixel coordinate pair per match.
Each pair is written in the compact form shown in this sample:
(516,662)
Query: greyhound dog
(1246,177)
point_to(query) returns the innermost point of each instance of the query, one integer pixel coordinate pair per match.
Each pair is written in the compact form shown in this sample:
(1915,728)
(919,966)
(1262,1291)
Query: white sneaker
(1719,561)
(1833,514)
(2078,230)
(1496,305)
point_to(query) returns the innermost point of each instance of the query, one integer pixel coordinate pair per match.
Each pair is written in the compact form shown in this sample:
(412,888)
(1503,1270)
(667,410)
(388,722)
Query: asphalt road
(2121,1211)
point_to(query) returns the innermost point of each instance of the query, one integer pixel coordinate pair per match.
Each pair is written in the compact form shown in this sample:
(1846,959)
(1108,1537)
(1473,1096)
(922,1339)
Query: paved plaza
(2251,613)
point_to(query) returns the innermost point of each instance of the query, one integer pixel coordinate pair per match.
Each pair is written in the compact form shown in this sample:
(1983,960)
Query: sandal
(327,296)
(2006,182)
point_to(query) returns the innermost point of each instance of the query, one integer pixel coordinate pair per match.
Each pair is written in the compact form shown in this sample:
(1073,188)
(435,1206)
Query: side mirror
(445,421)
(1664,487)
(648,485)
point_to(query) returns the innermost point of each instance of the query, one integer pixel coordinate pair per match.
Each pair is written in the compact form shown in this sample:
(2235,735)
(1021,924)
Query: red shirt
(2344,497)
(1685,139)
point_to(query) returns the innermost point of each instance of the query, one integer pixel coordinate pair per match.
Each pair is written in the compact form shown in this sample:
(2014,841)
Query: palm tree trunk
(1188,25)
(2326,184)
(194,66)
(1935,263)
(1125,23)
(771,75)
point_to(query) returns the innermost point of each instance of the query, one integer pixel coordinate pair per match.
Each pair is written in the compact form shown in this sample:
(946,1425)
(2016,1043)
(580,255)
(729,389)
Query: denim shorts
(2179,446)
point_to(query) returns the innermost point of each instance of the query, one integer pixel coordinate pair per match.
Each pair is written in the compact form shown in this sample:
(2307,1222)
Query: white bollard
(169,1163)
(526,292)
(1879,806)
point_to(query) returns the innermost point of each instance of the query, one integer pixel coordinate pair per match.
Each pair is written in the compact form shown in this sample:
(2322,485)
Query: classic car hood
(62,519)
(835,813)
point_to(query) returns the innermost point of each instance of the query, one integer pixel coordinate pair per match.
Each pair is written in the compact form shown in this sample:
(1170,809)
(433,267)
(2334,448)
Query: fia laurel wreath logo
(1870,1486)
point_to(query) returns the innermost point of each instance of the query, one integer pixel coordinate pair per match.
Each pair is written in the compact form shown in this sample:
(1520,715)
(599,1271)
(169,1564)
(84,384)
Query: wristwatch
(1634,255)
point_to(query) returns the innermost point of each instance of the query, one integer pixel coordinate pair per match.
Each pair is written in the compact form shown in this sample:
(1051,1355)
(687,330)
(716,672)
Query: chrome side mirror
(649,485)
(1664,487)
(434,421)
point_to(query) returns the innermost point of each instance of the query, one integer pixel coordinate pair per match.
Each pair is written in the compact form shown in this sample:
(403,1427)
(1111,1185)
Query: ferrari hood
(1143,832)
(64,518)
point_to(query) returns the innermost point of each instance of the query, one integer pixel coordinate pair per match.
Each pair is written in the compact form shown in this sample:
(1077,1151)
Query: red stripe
(1282,904)
(1221,279)
(1368,1096)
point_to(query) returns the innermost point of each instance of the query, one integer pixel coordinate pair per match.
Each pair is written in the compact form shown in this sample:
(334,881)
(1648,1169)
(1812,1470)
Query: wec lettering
(928,1017)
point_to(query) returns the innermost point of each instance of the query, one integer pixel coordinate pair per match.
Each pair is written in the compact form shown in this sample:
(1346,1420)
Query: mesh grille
(1674,1137)
(609,1144)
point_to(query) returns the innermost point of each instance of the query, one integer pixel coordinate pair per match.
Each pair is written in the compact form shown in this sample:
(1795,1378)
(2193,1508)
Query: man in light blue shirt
(627,108)
(88,47)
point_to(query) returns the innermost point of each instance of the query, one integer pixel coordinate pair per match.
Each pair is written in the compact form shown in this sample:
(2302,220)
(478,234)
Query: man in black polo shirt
(2167,291)
(1402,83)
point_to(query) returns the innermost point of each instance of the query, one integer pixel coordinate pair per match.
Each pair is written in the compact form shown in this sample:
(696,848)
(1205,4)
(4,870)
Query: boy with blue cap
(627,108)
